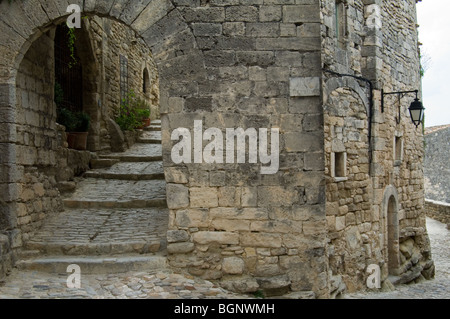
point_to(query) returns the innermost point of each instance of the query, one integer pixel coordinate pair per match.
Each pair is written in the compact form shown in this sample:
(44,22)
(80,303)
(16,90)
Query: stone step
(94,265)
(127,177)
(96,204)
(113,193)
(96,249)
(148,141)
(133,158)
(130,171)
(140,152)
(103,163)
(101,232)
(153,128)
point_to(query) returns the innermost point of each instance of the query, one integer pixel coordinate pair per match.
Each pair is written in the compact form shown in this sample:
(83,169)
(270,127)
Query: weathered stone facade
(342,199)
(382,174)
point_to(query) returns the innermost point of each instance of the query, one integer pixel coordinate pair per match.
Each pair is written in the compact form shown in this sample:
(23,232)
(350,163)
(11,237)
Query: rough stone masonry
(349,190)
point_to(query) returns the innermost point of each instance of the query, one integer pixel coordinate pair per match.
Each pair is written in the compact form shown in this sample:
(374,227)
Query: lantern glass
(416,112)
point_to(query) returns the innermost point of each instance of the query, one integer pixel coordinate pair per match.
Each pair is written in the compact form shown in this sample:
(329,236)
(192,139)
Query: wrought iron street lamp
(416,110)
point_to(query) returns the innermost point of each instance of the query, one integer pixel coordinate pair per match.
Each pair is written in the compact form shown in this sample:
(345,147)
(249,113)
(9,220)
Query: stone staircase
(115,221)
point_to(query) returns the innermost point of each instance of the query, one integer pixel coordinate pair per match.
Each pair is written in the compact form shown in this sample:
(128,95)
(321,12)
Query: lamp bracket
(401,94)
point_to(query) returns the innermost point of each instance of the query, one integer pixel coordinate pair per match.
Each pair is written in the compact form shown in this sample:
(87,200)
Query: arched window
(393,236)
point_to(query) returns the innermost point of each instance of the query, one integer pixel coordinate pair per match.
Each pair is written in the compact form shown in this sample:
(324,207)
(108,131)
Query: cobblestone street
(167,285)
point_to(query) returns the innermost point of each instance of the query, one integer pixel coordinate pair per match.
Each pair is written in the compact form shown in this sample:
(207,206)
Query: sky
(434,33)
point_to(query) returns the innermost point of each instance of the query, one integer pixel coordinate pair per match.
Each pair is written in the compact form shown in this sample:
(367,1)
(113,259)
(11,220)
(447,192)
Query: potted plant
(143,116)
(134,113)
(80,131)
(77,127)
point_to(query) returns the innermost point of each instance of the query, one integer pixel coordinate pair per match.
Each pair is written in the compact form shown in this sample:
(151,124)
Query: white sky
(434,32)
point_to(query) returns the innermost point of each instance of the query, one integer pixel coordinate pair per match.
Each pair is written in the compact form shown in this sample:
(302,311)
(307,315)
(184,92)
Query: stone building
(348,192)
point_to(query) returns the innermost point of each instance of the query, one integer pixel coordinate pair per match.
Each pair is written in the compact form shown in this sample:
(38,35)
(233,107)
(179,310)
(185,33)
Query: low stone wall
(5,255)
(439,211)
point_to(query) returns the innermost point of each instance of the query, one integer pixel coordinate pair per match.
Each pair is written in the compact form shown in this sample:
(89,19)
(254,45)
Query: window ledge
(340,179)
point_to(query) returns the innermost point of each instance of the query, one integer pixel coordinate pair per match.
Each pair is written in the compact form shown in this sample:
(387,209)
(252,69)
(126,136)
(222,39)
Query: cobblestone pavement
(167,285)
(161,285)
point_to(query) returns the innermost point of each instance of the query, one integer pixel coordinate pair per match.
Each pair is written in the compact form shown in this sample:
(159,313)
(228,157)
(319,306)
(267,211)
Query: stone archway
(392,235)
(390,208)
(23,25)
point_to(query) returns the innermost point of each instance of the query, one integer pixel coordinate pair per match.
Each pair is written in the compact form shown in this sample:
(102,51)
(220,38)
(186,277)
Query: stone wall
(36,137)
(436,166)
(228,221)
(378,204)
(439,211)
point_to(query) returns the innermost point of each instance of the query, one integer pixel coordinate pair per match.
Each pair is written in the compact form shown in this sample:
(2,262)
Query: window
(398,150)
(146,82)
(339,165)
(341,23)
(123,78)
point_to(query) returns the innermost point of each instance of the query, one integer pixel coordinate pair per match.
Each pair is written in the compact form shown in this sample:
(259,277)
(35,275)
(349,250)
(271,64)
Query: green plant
(67,118)
(132,112)
(142,114)
(73,121)
(259,294)
(71,43)
(83,120)
(59,95)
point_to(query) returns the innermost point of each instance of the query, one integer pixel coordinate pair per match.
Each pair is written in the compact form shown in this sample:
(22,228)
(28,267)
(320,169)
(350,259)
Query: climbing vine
(71,43)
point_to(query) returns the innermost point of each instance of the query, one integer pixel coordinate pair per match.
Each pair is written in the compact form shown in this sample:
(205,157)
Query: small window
(398,150)
(341,23)
(339,165)
(146,82)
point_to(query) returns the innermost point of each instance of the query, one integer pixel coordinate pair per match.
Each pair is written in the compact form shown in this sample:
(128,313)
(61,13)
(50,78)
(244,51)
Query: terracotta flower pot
(145,123)
(77,140)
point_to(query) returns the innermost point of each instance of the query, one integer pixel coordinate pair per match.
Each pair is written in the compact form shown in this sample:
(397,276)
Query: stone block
(242,13)
(235,213)
(301,14)
(276,196)
(209,237)
(303,142)
(204,14)
(229,197)
(234,29)
(176,236)
(270,13)
(260,240)
(204,197)
(192,218)
(307,86)
(233,266)
(230,225)
(177,196)
(266,29)
(207,29)
(253,58)
(249,197)
(175,175)
(274,282)
(315,227)
(180,248)
(220,58)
